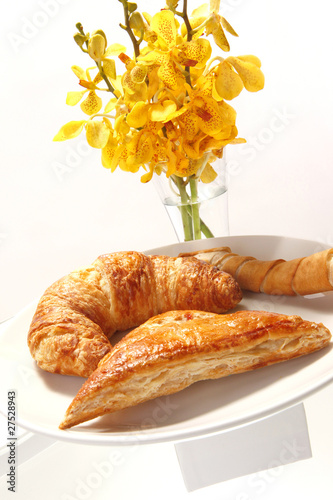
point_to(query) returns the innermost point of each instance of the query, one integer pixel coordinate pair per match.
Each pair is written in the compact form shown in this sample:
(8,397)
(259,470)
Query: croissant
(70,330)
(301,276)
(173,350)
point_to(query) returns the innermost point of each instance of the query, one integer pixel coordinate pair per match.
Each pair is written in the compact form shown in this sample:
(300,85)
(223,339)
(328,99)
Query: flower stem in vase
(195,208)
(185,208)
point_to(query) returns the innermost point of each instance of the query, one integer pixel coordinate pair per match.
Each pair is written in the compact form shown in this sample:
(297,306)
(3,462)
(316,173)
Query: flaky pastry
(173,350)
(70,330)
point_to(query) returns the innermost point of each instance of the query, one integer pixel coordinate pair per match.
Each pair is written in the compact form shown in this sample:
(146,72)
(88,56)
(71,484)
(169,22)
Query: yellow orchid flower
(139,151)
(169,109)
(208,19)
(195,53)
(235,73)
(161,53)
(93,103)
(248,68)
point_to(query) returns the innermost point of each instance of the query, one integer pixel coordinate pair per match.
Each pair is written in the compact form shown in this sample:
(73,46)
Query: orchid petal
(182,165)
(98,78)
(74,98)
(227,113)
(171,77)
(121,126)
(196,50)
(109,68)
(109,151)
(138,73)
(228,27)
(116,156)
(189,123)
(208,174)
(79,72)
(250,74)
(138,115)
(214,6)
(97,133)
(160,112)
(69,130)
(143,152)
(214,28)
(148,176)
(164,25)
(251,58)
(87,84)
(111,105)
(92,104)
(197,18)
(210,121)
(114,50)
(228,83)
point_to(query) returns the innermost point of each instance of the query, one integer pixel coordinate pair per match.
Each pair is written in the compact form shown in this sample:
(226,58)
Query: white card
(271,442)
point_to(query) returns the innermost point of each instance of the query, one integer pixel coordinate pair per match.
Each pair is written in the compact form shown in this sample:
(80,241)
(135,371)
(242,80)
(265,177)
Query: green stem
(105,78)
(184,209)
(126,27)
(195,208)
(204,228)
(187,22)
(189,37)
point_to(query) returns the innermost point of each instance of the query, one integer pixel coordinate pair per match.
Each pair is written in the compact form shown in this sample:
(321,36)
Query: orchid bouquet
(168,112)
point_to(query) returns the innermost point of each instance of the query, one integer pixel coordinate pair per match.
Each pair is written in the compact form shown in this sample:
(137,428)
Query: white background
(51,222)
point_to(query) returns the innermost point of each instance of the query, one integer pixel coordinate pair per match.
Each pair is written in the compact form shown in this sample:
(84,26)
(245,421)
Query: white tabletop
(60,208)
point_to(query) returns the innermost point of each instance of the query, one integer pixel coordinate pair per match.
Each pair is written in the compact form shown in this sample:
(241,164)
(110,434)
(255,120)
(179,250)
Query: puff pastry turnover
(70,330)
(173,350)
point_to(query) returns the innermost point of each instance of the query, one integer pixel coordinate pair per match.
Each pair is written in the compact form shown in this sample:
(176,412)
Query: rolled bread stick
(278,280)
(251,274)
(213,256)
(301,276)
(234,262)
(314,274)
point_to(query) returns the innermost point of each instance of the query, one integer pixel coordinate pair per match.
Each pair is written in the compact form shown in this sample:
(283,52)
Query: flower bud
(96,47)
(136,22)
(172,4)
(80,39)
(131,7)
(100,32)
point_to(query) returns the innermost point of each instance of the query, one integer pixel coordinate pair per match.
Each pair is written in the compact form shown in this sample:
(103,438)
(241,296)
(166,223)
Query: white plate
(201,409)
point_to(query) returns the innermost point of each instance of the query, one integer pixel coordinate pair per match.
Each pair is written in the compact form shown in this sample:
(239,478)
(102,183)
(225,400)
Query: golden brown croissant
(302,276)
(175,349)
(76,315)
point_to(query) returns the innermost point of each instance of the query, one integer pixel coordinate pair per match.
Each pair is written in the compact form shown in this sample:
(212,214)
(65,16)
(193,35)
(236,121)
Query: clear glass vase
(196,209)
